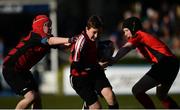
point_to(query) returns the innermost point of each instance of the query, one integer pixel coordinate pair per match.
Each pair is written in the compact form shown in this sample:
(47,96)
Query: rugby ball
(105,50)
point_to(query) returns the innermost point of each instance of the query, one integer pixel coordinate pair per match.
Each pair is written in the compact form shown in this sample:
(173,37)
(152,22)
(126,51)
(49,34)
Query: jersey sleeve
(44,40)
(76,54)
(78,48)
(38,40)
(135,40)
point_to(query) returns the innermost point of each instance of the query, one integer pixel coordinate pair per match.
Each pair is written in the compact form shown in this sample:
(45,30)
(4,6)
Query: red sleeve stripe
(78,46)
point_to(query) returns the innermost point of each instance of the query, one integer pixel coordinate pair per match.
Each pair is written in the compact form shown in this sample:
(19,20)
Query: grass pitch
(74,102)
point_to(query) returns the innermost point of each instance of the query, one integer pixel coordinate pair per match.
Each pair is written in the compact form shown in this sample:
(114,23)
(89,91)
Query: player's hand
(67,44)
(72,39)
(104,64)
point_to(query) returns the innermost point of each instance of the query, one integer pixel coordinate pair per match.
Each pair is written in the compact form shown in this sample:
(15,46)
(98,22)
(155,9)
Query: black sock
(115,106)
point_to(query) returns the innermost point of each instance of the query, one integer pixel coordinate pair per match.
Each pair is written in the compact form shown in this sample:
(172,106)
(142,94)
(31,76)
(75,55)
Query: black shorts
(88,87)
(20,82)
(165,71)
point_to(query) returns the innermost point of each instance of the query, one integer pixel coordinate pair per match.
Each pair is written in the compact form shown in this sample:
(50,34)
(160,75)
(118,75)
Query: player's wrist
(69,40)
(72,40)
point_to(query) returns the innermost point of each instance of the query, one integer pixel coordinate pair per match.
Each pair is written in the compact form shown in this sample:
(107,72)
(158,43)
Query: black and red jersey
(84,50)
(27,53)
(150,47)
(83,53)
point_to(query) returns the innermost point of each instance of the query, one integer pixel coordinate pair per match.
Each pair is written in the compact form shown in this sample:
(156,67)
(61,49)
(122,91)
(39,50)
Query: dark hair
(133,24)
(94,22)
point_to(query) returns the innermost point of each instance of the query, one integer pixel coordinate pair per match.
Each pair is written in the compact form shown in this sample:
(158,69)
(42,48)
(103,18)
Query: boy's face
(93,33)
(47,28)
(127,33)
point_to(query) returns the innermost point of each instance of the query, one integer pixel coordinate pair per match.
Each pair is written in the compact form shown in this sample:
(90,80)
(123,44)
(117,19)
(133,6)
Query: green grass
(74,102)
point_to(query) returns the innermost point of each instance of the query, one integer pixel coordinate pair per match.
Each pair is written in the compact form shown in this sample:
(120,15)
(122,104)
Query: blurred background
(160,18)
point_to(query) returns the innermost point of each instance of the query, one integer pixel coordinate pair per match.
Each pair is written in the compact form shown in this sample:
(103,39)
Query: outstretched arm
(57,40)
(122,51)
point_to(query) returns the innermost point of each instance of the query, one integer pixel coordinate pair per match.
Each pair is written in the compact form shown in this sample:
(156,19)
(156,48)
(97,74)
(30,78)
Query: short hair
(94,22)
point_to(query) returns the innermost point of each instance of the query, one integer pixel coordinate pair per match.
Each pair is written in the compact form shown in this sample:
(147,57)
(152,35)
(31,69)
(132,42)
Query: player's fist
(72,39)
(104,64)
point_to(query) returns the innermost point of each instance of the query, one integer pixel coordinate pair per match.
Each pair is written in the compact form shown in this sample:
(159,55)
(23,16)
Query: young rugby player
(29,51)
(165,65)
(87,76)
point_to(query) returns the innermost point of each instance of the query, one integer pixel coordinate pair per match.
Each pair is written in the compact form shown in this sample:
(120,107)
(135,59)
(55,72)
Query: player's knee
(136,91)
(107,93)
(109,96)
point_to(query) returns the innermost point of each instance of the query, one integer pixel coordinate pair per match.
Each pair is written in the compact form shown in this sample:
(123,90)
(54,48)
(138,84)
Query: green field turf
(74,102)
